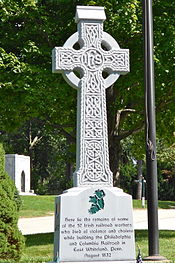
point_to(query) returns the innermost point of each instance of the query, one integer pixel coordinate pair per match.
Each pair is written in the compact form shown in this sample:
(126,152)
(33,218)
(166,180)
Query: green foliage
(26,62)
(18,200)
(166,172)
(38,26)
(128,173)
(11,239)
(166,168)
(49,152)
(29,31)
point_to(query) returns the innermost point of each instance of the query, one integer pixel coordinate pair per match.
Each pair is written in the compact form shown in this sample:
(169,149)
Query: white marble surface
(98,53)
(94,224)
(15,165)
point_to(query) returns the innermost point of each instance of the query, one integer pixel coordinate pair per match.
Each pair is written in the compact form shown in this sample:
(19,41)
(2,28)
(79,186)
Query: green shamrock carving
(97,201)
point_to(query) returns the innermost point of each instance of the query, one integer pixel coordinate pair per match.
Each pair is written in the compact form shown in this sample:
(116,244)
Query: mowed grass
(43,205)
(39,247)
(166,243)
(39,205)
(161,204)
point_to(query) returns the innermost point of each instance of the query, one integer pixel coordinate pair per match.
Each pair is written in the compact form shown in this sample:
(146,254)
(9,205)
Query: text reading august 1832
(97,237)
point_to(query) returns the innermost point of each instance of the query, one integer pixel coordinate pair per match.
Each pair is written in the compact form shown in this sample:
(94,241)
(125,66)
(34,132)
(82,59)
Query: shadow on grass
(166,204)
(141,234)
(39,239)
(162,234)
(168,234)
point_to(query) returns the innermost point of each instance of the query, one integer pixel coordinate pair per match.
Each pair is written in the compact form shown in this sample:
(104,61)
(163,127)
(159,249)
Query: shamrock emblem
(97,201)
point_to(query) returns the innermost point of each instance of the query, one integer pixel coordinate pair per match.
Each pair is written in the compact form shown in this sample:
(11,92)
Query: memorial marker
(93,220)
(18,168)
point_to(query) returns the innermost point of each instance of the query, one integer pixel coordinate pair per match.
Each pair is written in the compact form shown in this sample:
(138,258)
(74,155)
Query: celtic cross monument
(91,60)
(89,215)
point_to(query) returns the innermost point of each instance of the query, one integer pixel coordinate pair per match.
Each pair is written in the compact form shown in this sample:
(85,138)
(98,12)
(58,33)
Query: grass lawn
(161,204)
(39,248)
(43,205)
(39,205)
(166,243)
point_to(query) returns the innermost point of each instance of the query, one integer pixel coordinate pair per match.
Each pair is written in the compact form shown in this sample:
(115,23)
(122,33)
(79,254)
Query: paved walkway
(46,224)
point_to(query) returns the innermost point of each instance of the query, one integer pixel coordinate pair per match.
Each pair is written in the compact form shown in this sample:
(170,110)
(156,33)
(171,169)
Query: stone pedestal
(94,224)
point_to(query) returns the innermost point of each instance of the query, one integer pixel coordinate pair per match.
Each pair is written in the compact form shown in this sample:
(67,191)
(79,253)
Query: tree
(166,171)
(50,155)
(30,29)
(11,239)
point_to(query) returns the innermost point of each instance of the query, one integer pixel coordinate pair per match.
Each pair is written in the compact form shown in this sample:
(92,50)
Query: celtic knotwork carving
(93,107)
(91,34)
(94,170)
(68,59)
(116,60)
(91,60)
(93,128)
(93,84)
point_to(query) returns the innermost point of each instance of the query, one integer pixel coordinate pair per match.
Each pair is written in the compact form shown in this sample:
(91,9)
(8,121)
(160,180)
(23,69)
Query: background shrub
(11,239)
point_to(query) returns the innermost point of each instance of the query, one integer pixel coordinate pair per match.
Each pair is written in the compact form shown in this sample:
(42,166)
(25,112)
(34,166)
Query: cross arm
(65,59)
(117,60)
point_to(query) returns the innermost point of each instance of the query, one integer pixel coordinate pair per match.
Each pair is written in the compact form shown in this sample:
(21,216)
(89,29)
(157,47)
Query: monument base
(130,261)
(94,224)
(27,193)
(157,258)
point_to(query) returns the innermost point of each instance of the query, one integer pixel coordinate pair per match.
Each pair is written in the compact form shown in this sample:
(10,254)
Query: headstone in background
(93,220)
(18,168)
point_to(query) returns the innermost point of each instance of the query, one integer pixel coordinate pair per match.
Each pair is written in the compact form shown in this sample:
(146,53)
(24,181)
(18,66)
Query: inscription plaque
(104,235)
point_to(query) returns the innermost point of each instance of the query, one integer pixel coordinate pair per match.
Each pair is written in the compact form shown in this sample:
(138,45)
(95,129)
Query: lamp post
(151,162)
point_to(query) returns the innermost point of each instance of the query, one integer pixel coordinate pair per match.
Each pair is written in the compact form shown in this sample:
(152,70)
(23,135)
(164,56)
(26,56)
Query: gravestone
(93,220)
(18,168)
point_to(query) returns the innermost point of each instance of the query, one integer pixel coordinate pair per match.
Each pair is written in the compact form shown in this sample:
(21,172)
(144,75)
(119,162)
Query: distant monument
(18,168)
(93,220)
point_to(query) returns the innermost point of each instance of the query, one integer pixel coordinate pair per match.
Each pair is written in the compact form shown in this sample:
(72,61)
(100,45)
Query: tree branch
(125,134)
(33,142)
(118,118)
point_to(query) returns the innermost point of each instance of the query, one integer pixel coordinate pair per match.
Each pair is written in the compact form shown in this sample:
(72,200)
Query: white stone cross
(98,53)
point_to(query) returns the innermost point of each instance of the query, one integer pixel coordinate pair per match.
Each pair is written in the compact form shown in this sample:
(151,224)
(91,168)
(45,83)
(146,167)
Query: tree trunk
(68,171)
(115,156)
(114,141)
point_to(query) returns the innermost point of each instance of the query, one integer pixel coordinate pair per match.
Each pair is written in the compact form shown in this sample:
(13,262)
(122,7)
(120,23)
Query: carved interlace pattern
(92,34)
(93,159)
